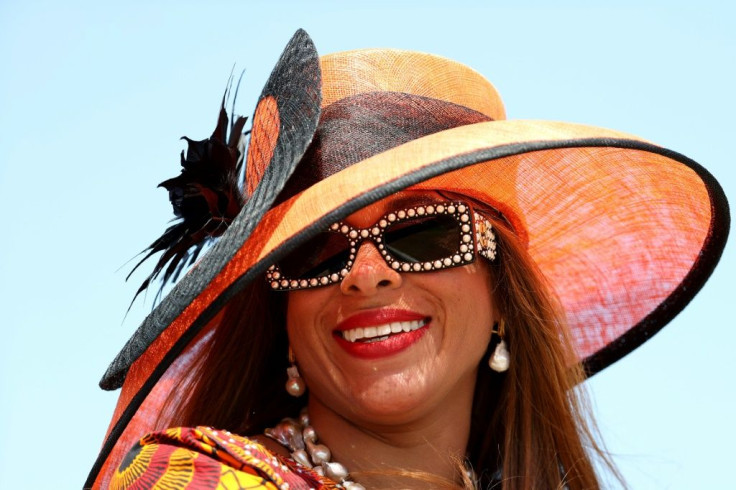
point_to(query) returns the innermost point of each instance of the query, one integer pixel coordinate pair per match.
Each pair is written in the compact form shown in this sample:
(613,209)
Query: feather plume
(206,197)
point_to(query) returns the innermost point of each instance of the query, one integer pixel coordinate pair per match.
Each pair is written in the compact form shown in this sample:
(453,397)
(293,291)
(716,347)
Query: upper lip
(375,317)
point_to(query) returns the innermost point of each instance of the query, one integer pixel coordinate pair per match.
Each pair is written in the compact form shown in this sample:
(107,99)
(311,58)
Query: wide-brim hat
(626,232)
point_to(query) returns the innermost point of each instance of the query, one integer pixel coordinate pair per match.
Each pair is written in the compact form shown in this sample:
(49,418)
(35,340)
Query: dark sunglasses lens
(423,239)
(321,256)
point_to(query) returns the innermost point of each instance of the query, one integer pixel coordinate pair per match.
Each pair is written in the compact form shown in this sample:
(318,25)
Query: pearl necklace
(299,437)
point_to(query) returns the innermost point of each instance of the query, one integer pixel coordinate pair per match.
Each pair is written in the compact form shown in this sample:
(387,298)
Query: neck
(425,451)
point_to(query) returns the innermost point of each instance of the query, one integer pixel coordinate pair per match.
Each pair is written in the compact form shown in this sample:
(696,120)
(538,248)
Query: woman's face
(397,377)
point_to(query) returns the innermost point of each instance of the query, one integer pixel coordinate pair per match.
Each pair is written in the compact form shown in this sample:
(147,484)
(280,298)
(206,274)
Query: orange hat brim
(636,229)
(626,233)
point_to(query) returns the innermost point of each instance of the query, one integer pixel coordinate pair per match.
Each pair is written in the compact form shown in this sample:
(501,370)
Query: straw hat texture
(625,231)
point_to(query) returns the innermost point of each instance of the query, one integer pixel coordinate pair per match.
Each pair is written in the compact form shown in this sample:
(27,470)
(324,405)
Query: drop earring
(294,384)
(500,359)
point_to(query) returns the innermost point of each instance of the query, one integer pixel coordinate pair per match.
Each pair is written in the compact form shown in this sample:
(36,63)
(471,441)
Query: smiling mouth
(379,333)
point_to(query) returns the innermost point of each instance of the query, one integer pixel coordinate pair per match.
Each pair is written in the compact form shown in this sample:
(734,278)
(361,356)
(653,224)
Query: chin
(393,400)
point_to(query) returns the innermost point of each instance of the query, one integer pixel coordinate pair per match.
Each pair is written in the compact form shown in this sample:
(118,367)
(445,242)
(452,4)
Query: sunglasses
(416,239)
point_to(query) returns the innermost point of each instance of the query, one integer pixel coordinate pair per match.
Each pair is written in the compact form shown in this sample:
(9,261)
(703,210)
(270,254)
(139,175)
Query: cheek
(306,303)
(298,328)
(305,316)
(300,307)
(472,313)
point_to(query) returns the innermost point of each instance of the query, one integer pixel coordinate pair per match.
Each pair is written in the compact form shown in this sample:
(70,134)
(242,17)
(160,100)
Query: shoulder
(202,458)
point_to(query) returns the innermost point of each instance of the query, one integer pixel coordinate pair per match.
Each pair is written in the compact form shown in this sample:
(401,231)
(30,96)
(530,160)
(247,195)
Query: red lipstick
(407,328)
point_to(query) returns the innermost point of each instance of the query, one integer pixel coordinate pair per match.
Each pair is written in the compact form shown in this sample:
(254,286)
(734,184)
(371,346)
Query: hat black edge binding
(295,83)
(677,300)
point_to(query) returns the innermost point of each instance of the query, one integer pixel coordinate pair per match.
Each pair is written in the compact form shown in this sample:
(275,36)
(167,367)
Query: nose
(369,273)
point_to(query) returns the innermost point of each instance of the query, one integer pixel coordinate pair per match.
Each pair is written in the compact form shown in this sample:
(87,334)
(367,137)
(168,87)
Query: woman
(506,258)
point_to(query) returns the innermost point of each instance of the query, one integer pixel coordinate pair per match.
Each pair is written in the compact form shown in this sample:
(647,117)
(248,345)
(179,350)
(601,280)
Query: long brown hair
(530,422)
(529,430)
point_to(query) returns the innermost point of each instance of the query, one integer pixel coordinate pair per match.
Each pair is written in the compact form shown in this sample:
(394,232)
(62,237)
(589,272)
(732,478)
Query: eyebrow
(404,201)
(414,200)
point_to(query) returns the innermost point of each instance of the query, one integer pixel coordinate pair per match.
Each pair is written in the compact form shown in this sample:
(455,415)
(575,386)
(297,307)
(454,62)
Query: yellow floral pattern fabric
(205,458)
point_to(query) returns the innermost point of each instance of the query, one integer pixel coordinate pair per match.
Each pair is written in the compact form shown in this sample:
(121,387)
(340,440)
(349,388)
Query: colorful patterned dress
(206,458)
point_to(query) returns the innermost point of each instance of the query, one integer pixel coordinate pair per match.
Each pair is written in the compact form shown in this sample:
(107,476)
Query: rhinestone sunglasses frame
(476,236)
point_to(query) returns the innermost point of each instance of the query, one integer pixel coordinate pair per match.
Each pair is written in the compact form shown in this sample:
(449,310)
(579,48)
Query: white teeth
(385,330)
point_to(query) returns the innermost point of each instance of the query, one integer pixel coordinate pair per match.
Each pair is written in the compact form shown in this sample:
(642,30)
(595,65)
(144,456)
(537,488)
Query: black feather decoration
(206,197)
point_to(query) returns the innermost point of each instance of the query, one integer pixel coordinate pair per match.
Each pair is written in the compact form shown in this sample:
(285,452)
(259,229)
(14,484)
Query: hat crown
(350,73)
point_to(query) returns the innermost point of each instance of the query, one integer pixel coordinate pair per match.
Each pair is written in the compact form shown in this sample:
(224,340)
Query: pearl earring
(500,359)
(295,384)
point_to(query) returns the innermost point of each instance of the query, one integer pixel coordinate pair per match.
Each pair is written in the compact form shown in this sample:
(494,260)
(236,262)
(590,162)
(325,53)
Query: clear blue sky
(95,95)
